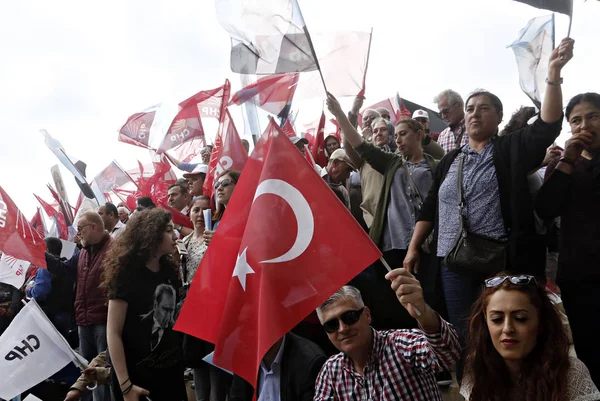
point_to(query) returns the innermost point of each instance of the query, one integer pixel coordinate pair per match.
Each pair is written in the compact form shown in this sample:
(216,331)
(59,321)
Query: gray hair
(379,120)
(371,111)
(346,293)
(452,96)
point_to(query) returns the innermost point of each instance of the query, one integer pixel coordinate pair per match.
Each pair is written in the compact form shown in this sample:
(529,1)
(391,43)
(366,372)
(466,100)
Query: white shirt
(269,386)
(118,229)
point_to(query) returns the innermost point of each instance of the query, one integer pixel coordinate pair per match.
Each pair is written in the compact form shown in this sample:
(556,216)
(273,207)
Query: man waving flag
(284,245)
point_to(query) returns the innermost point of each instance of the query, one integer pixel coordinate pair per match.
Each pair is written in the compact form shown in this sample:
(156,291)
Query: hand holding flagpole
(389,269)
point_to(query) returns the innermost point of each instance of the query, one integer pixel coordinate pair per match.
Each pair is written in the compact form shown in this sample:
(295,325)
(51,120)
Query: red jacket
(91,303)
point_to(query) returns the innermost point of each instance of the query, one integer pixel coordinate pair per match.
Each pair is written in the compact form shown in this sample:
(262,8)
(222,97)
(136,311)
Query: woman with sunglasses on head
(223,190)
(481,198)
(572,192)
(518,348)
(142,282)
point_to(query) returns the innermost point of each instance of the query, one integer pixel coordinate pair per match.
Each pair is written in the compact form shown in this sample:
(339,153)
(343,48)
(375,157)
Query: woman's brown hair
(235,176)
(135,246)
(543,375)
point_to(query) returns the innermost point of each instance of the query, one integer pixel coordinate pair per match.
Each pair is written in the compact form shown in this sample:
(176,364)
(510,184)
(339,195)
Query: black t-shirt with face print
(153,351)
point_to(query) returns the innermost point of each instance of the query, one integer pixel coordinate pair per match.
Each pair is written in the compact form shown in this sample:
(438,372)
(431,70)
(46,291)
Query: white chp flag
(532,50)
(31,350)
(12,270)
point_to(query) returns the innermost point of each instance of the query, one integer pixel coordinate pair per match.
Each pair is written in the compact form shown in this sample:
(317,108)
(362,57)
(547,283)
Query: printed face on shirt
(408,141)
(348,339)
(451,113)
(177,199)
(512,321)
(585,118)
(381,136)
(167,246)
(164,309)
(197,213)
(481,118)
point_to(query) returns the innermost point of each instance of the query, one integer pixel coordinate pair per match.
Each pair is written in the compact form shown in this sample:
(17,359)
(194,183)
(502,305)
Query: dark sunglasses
(349,318)
(224,183)
(516,280)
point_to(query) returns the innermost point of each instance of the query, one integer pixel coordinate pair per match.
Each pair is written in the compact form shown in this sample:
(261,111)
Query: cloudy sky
(78,70)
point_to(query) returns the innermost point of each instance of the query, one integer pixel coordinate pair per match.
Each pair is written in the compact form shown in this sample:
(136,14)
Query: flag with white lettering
(12,270)
(31,350)
(532,50)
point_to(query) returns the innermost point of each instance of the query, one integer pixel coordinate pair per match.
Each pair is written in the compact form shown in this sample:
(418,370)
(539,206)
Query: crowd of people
(465,218)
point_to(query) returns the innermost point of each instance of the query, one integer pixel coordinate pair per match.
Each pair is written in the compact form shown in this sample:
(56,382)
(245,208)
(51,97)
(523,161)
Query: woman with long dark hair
(518,348)
(142,282)
(223,190)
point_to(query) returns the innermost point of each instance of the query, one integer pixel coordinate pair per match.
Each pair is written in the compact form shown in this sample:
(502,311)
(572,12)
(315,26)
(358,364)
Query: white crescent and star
(304,219)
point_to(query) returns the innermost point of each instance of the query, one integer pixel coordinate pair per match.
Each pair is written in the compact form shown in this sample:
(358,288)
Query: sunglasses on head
(224,183)
(516,280)
(349,318)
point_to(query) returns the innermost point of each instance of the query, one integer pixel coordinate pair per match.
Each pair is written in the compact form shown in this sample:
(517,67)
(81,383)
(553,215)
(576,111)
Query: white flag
(532,50)
(31,350)
(12,270)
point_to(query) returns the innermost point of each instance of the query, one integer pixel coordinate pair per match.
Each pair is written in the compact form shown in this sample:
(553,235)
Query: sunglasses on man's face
(224,183)
(515,280)
(348,318)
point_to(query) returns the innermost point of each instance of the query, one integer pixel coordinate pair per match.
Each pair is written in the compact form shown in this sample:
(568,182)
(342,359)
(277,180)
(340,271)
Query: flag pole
(310,43)
(364,83)
(389,269)
(570,24)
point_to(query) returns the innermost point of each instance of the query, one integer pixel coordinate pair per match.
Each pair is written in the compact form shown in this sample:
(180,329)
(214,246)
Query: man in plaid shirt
(384,365)
(451,107)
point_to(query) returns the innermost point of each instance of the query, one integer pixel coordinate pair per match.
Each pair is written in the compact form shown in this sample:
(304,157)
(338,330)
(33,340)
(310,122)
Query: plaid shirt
(447,138)
(402,366)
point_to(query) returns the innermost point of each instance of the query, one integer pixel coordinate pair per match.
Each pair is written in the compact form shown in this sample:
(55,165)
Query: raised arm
(553,102)
(350,136)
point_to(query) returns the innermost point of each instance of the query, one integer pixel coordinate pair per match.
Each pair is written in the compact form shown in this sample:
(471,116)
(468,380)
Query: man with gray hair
(377,365)
(451,107)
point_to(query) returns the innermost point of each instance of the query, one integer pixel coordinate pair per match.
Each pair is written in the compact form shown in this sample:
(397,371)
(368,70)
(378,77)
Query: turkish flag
(17,238)
(61,224)
(288,129)
(228,153)
(271,93)
(318,148)
(284,245)
(176,215)
(37,223)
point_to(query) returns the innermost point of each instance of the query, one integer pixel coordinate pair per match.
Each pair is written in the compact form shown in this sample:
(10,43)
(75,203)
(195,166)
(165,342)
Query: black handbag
(474,255)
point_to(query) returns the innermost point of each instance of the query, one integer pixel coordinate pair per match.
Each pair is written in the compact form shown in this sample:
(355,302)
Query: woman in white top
(518,348)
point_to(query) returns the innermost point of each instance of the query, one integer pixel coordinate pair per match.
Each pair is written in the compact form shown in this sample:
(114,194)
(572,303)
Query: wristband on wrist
(127,390)
(554,83)
(122,384)
(567,161)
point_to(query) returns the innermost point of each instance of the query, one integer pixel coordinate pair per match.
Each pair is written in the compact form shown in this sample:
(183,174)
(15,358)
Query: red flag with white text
(228,153)
(318,148)
(281,250)
(288,129)
(17,238)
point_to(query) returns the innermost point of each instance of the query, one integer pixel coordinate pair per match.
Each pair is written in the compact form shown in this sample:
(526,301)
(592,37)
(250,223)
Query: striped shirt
(402,366)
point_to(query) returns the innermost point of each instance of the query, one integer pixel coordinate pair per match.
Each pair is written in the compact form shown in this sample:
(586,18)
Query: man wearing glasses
(451,107)
(394,364)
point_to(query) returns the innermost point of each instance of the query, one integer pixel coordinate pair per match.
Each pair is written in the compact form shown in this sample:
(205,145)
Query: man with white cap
(196,179)
(430,146)
(336,174)
(299,143)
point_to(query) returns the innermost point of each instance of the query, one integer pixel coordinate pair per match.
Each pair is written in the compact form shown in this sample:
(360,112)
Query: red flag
(228,153)
(178,217)
(318,149)
(281,249)
(288,129)
(17,238)
(37,223)
(165,126)
(272,93)
(55,214)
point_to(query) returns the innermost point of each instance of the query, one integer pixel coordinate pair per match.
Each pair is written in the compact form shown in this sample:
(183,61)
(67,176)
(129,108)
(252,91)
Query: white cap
(296,139)
(199,169)
(420,114)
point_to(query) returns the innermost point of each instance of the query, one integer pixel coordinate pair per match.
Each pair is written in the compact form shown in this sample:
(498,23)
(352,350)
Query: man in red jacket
(90,300)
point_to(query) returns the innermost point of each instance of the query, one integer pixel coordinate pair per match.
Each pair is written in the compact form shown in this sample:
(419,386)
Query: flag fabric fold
(559,6)
(532,49)
(32,350)
(318,148)
(281,249)
(12,270)
(17,238)
(37,223)
(228,153)
(58,217)
(271,93)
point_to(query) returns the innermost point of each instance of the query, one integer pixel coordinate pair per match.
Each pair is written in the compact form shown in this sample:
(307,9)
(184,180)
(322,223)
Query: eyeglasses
(349,318)
(516,280)
(447,109)
(80,228)
(224,183)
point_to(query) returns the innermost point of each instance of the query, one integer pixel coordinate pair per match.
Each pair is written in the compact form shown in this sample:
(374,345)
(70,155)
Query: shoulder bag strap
(460,136)
(413,187)
(461,197)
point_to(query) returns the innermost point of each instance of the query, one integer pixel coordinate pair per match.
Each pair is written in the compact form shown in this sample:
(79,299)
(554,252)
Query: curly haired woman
(142,283)
(518,349)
